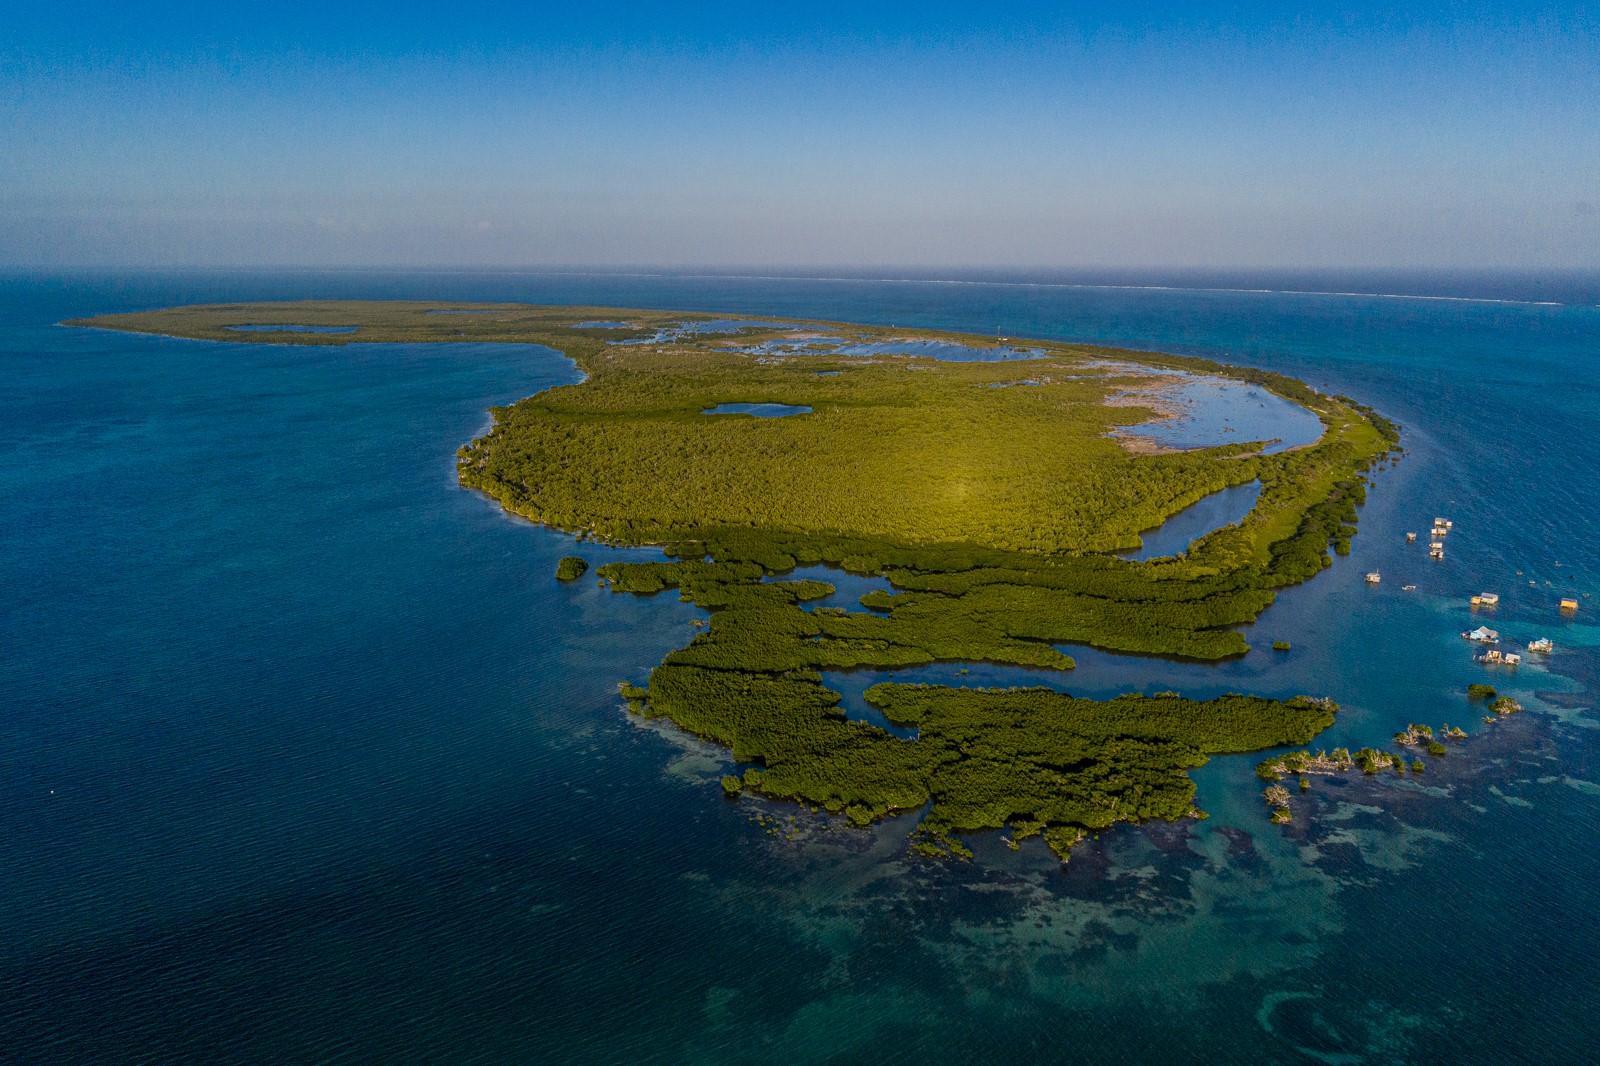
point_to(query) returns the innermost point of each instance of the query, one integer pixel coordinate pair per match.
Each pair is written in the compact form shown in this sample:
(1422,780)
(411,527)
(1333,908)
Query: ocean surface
(305,756)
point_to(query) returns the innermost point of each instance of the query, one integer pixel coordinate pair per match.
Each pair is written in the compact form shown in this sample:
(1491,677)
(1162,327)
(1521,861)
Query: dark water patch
(1226,507)
(605,325)
(1325,1032)
(293,329)
(759,410)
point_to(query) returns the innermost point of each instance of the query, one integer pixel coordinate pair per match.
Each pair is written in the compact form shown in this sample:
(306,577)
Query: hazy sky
(606,134)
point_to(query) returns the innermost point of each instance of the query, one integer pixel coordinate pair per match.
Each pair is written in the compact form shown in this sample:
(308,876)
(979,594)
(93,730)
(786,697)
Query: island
(989,494)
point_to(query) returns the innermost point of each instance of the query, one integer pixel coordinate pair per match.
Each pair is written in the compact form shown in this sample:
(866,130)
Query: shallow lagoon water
(1212,411)
(945,350)
(710,325)
(948,351)
(309,758)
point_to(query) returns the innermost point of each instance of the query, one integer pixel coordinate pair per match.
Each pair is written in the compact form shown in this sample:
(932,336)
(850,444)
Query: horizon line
(711,273)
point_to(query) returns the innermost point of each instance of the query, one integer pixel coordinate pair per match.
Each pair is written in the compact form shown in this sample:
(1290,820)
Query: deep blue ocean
(306,758)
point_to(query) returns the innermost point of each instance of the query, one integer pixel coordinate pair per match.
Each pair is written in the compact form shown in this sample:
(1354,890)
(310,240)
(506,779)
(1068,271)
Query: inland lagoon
(758,410)
(1225,507)
(311,756)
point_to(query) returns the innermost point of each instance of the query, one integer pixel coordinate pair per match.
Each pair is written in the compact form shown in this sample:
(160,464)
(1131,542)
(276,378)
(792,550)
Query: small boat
(1408,588)
(1411,538)
(1374,577)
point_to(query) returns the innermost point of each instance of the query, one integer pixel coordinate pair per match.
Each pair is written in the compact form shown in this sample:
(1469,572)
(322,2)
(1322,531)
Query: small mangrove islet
(994,515)
(571,567)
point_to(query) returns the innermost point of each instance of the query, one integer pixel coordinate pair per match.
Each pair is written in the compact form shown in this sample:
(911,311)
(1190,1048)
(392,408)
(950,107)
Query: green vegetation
(571,568)
(1281,645)
(1371,760)
(989,511)
(1480,692)
(1039,761)
(1505,705)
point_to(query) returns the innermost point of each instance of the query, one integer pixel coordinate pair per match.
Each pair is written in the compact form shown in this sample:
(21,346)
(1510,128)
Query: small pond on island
(759,410)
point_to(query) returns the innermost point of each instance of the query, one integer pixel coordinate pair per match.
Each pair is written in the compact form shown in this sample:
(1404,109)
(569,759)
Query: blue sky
(793,135)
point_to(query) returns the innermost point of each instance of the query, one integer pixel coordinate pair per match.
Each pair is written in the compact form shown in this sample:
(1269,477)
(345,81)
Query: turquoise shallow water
(307,758)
